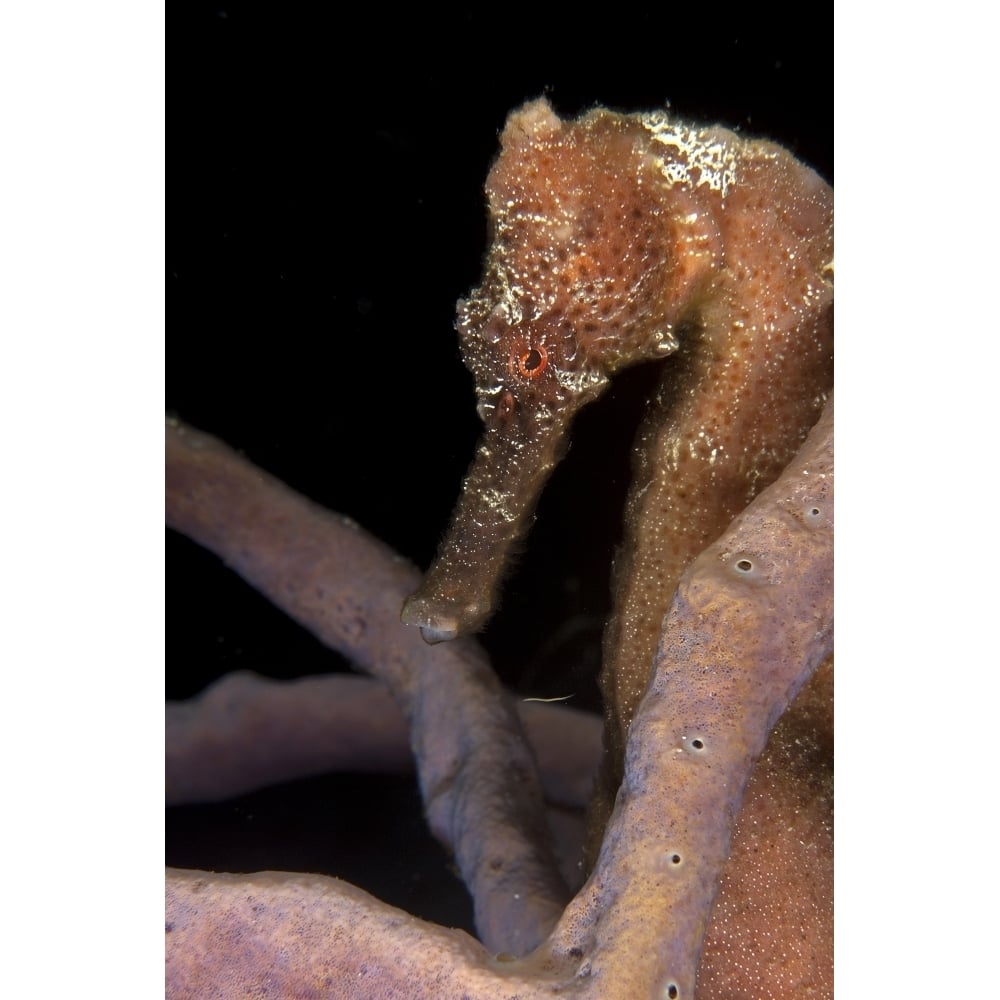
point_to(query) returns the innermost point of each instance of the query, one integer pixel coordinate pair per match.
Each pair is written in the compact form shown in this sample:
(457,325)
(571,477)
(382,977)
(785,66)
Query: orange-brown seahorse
(618,239)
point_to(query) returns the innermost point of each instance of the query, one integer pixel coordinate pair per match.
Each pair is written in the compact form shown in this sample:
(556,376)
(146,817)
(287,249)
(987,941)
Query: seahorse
(616,239)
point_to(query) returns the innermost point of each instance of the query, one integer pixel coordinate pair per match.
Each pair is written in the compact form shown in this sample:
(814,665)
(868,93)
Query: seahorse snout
(440,620)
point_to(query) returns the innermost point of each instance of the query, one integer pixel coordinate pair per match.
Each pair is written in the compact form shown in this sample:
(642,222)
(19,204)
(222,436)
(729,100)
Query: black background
(325,211)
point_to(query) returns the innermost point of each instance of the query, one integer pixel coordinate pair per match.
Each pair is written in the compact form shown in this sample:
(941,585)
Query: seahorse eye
(533,362)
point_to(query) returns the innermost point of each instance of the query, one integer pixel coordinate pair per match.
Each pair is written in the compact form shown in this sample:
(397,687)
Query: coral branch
(771,929)
(281,935)
(347,588)
(246,732)
(751,620)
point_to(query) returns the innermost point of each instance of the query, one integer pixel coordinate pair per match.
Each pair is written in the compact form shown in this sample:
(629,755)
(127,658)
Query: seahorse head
(587,264)
(597,256)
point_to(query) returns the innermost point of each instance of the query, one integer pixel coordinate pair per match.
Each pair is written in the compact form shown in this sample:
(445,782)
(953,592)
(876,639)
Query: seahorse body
(618,239)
